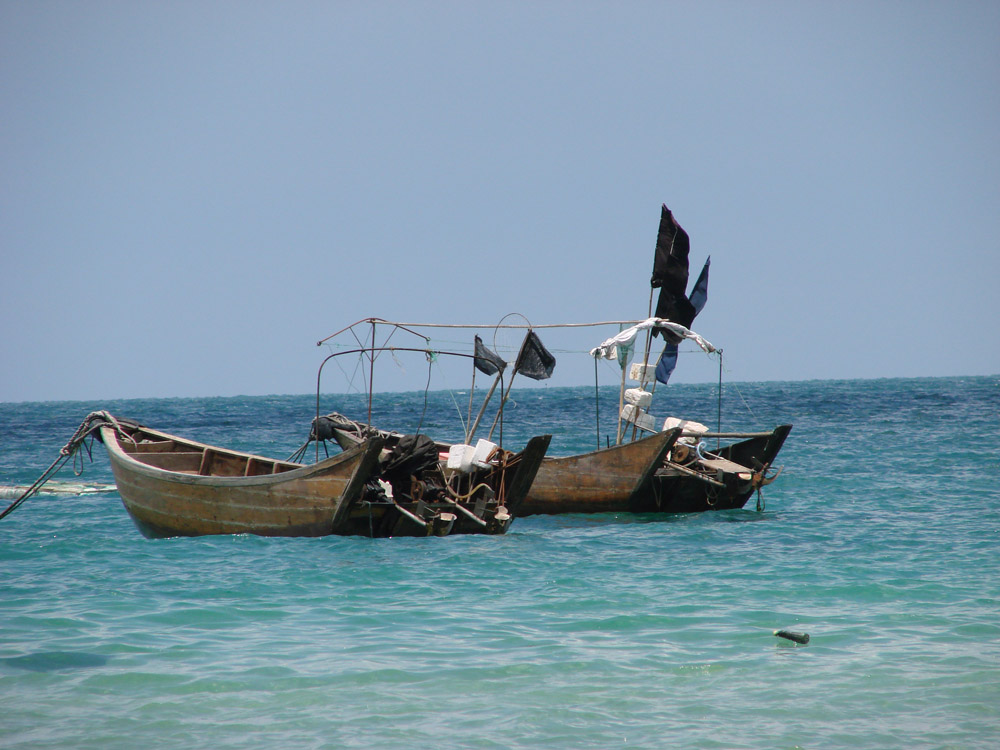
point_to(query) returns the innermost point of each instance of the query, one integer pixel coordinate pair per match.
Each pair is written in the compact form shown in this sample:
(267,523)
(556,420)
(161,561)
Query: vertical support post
(472,392)
(482,409)
(371,374)
(718,441)
(621,405)
(597,404)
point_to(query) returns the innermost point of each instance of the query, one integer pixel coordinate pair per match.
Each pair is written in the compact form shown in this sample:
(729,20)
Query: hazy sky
(193,193)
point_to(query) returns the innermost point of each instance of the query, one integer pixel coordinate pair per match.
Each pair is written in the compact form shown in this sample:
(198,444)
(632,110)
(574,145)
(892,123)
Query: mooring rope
(94,421)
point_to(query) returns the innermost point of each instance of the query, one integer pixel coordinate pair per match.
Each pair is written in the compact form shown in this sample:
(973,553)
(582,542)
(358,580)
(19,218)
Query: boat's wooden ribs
(186,462)
(216,463)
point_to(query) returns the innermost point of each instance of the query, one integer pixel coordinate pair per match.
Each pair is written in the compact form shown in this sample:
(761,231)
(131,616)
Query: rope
(430,362)
(473,491)
(94,421)
(53,468)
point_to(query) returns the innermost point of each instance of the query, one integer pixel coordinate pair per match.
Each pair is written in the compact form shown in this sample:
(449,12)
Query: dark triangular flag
(534,360)
(488,362)
(699,293)
(668,361)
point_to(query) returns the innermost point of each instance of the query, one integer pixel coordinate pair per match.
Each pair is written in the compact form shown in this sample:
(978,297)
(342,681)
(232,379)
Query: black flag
(486,361)
(534,360)
(670,264)
(670,271)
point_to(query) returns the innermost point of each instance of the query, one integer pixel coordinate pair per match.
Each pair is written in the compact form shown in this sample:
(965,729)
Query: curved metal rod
(363,350)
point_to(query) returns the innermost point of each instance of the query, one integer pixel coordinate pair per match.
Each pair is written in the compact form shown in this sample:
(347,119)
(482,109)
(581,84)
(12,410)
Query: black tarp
(488,362)
(409,457)
(534,360)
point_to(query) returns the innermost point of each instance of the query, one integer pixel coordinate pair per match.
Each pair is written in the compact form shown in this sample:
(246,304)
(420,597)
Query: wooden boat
(617,478)
(479,497)
(172,486)
(690,477)
(691,481)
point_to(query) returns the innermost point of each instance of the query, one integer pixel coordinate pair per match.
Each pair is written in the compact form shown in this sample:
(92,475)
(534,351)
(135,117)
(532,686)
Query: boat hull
(672,491)
(610,480)
(606,480)
(301,501)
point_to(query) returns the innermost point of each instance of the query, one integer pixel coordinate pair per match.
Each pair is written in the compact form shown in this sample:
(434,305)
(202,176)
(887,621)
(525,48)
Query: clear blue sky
(193,193)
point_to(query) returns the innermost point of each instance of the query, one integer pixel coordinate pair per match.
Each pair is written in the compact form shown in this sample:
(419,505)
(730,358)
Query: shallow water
(880,540)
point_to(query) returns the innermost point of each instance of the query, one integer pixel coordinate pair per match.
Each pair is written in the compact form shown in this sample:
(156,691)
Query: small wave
(10,491)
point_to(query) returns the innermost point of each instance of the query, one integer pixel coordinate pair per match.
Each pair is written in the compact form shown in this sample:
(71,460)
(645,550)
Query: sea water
(880,539)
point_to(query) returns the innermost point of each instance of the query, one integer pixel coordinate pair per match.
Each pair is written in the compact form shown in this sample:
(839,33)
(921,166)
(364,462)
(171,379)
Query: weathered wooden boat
(471,493)
(172,486)
(418,478)
(694,478)
(379,486)
(689,477)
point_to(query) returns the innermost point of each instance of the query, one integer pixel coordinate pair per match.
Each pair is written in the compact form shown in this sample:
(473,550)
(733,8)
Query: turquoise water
(880,540)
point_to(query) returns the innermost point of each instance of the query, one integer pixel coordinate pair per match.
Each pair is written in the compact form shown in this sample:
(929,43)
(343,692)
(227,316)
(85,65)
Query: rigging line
(451,392)
(740,394)
(364,378)
(351,387)
(434,360)
(395,359)
(430,362)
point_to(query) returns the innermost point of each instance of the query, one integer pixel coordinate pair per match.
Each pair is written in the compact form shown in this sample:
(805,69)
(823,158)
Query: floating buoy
(802,638)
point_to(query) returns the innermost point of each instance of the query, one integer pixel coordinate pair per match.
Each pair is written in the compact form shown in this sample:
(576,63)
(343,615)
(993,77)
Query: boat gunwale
(303,472)
(621,447)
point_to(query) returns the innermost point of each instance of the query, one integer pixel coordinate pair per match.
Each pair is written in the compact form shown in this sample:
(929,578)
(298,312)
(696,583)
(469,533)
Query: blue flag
(667,363)
(699,292)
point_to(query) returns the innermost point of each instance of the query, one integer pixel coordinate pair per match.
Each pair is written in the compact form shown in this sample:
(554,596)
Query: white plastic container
(643,421)
(639,397)
(482,453)
(686,426)
(460,457)
(641,373)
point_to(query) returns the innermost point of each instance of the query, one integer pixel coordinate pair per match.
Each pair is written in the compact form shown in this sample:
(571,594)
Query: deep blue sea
(881,540)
